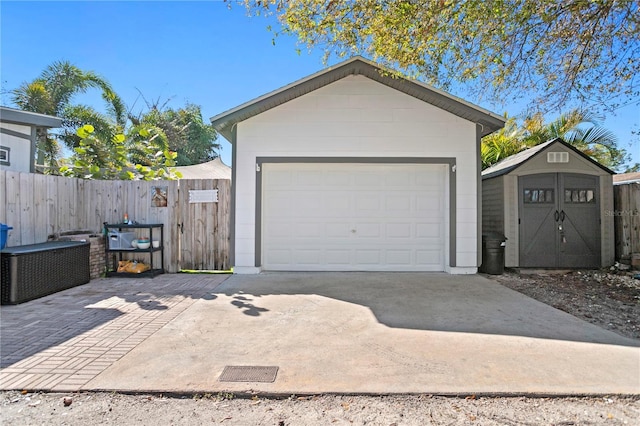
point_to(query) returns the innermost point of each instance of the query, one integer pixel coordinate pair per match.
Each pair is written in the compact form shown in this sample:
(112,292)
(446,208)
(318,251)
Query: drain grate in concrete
(248,373)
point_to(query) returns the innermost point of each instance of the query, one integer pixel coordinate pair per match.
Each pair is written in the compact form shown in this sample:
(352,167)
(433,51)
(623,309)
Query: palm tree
(501,144)
(52,92)
(577,127)
(580,129)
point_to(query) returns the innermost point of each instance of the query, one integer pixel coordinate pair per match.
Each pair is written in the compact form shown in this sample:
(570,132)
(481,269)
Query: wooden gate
(203,224)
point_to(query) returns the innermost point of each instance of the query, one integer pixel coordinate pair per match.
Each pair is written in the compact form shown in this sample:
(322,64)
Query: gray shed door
(559,220)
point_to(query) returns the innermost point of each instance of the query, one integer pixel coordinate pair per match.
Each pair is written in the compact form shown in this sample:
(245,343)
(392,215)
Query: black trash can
(493,244)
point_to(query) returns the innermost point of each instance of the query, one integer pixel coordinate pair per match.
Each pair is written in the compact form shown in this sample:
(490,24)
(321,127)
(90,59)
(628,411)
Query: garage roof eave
(489,121)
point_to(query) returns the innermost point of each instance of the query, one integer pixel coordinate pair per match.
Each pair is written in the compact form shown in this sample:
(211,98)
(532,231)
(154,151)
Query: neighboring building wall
(493,205)
(17,140)
(357,117)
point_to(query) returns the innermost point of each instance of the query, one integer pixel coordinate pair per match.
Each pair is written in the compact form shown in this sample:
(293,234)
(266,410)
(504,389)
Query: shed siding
(608,241)
(357,117)
(492,205)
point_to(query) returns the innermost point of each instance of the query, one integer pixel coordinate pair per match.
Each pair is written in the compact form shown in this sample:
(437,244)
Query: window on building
(5,159)
(539,195)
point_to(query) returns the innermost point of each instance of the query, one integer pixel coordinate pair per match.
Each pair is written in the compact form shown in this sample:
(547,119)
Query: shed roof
(214,169)
(17,116)
(358,65)
(516,160)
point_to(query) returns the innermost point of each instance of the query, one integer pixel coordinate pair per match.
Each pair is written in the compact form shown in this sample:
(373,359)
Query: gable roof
(489,121)
(17,116)
(516,160)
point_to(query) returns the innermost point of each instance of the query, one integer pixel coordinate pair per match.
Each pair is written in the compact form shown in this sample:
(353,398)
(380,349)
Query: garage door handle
(556,215)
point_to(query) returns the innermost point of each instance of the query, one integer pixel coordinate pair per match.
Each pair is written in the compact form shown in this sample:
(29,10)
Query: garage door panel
(278,257)
(368,179)
(399,257)
(336,179)
(337,256)
(337,204)
(399,230)
(400,178)
(367,230)
(367,257)
(353,217)
(369,201)
(338,230)
(308,256)
(308,230)
(280,178)
(278,230)
(310,178)
(398,203)
(428,257)
(428,230)
(429,202)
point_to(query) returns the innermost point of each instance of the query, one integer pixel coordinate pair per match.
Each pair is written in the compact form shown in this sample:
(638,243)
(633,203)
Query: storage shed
(355,169)
(554,204)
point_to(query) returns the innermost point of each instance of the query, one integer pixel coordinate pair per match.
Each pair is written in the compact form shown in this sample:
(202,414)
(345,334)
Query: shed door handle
(556,215)
(562,215)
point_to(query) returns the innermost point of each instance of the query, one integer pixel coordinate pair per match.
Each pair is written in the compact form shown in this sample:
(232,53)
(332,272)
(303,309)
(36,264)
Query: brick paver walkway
(62,341)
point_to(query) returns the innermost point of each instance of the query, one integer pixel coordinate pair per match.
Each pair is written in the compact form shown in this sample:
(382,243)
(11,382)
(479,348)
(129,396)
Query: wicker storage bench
(36,270)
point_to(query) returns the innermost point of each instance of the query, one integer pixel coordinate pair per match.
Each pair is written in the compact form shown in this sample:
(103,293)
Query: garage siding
(357,117)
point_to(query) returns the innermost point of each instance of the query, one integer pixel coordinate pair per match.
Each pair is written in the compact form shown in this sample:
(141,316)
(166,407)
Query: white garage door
(353,217)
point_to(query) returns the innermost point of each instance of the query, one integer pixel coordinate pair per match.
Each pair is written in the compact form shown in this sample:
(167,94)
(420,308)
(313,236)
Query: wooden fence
(627,220)
(196,234)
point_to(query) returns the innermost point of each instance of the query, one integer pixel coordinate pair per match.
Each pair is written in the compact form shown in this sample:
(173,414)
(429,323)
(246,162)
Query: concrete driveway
(359,333)
(378,333)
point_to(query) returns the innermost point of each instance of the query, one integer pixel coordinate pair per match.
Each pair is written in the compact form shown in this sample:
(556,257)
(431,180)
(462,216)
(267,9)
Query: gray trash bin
(493,244)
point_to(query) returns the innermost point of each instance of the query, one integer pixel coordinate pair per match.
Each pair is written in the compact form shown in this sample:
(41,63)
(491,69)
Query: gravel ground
(117,409)
(609,299)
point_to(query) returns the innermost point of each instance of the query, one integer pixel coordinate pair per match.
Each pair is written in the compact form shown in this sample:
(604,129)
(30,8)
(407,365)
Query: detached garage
(353,169)
(554,204)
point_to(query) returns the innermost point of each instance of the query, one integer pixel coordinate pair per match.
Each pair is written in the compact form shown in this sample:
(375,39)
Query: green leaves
(96,158)
(576,127)
(85,130)
(555,51)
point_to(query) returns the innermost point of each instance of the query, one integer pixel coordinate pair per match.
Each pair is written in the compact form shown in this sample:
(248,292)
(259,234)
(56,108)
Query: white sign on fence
(203,196)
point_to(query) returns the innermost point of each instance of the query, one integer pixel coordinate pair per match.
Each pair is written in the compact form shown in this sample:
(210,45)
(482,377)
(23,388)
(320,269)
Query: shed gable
(576,163)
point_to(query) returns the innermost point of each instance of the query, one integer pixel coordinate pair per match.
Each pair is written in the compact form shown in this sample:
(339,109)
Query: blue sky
(198,52)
